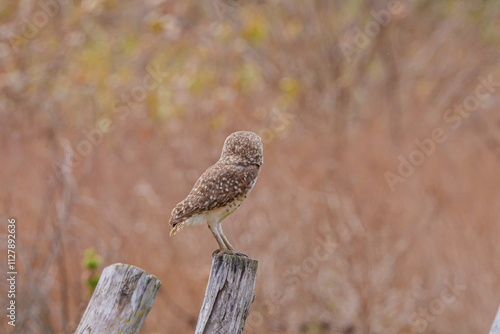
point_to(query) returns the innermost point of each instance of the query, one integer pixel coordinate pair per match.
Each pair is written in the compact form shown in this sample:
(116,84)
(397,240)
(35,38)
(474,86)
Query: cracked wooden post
(121,301)
(229,294)
(495,328)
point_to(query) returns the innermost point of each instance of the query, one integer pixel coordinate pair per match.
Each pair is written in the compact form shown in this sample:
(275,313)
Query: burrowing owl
(222,188)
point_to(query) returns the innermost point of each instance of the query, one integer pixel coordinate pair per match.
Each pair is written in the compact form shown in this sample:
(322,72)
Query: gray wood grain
(228,296)
(121,301)
(495,328)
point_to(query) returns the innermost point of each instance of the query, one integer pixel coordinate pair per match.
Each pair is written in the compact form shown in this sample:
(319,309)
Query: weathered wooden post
(229,294)
(121,301)
(495,328)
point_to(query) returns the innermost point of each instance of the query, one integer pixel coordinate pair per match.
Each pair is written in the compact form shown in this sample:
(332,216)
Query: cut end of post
(233,258)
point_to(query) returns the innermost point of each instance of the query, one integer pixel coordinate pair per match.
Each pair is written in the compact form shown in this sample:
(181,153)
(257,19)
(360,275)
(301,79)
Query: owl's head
(242,148)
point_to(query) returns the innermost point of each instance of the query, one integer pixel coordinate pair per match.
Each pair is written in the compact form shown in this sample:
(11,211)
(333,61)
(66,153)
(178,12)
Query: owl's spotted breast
(222,188)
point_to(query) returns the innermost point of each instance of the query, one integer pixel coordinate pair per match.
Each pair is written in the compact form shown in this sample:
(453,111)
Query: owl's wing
(217,186)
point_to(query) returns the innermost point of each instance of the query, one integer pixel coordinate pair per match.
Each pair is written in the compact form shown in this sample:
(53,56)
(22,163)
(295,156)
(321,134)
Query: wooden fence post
(228,296)
(121,301)
(495,328)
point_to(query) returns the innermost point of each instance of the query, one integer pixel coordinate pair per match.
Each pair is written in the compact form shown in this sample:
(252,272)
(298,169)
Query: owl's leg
(228,245)
(217,236)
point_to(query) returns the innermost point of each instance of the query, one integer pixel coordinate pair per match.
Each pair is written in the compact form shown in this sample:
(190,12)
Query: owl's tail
(176,228)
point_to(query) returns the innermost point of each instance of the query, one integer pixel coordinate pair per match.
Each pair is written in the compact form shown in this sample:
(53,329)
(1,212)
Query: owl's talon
(242,254)
(222,252)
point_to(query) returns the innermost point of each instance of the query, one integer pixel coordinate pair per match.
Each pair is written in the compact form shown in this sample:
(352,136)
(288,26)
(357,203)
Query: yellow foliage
(290,86)
(255,27)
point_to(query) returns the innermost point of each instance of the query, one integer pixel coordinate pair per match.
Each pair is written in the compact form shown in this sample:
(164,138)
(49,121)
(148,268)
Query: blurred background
(377,208)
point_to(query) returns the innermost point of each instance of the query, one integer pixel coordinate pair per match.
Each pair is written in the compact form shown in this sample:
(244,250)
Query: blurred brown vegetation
(110,110)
